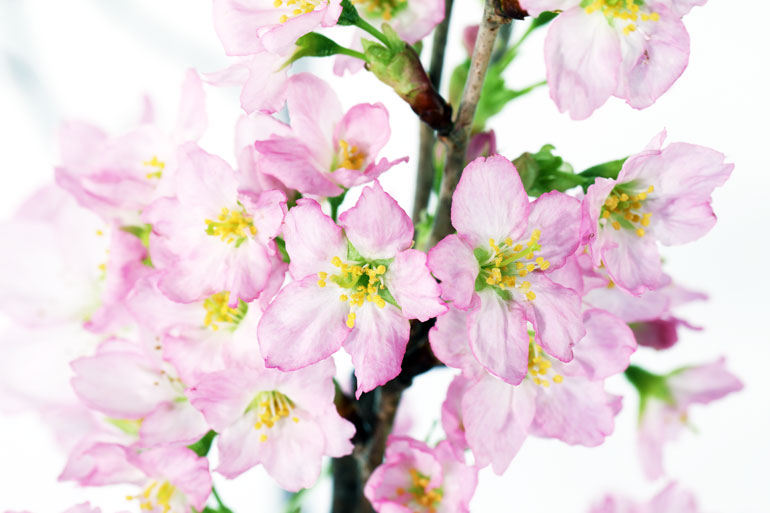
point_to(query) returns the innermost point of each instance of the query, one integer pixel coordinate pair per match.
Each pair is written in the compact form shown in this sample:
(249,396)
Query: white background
(93,60)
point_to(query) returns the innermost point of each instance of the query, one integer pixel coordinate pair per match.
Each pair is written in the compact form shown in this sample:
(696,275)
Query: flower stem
(366,26)
(457,140)
(351,53)
(222,507)
(426,164)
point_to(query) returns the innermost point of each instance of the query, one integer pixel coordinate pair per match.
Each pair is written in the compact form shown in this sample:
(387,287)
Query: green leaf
(606,170)
(543,171)
(202,446)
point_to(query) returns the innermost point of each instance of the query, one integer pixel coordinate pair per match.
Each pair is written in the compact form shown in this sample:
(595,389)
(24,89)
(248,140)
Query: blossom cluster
(198,301)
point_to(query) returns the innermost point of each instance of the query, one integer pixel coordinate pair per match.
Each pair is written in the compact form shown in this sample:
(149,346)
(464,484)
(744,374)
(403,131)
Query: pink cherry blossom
(663,420)
(497,266)
(286,421)
(596,49)
(355,288)
(556,400)
(211,238)
(246,27)
(661,194)
(205,336)
(117,177)
(326,151)
(672,499)
(417,478)
(127,380)
(177,480)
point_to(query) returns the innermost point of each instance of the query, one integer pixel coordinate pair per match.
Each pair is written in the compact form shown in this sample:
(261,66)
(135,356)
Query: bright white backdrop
(93,60)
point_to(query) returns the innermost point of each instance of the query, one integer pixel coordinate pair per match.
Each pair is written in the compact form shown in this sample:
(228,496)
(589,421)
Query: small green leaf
(606,170)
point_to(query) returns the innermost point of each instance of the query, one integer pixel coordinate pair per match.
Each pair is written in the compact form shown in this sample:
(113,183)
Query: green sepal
(504,294)
(202,446)
(481,254)
(545,18)
(128,426)
(388,297)
(480,284)
(353,254)
(281,245)
(314,45)
(649,385)
(349,15)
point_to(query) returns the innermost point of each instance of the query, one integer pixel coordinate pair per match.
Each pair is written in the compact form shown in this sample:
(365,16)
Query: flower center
(427,499)
(155,495)
(219,311)
(270,408)
(384,9)
(539,366)
(350,157)
(295,7)
(623,210)
(624,10)
(231,226)
(510,261)
(157,165)
(364,281)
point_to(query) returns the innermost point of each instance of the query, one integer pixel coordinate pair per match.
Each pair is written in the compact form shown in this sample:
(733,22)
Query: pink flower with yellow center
(632,49)
(416,478)
(554,400)
(211,236)
(660,194)
(246,27)
(356,288)
(285,421)
(326,151)
(497,267)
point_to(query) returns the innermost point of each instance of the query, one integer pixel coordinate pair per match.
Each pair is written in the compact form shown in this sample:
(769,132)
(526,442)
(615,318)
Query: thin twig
(457,140)
(425,165)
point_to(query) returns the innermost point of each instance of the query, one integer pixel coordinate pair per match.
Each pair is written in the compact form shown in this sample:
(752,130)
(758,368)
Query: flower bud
(399,66)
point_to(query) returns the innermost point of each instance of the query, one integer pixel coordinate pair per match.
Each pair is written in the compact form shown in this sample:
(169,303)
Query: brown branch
(425,166)
(373,416)
(457,140)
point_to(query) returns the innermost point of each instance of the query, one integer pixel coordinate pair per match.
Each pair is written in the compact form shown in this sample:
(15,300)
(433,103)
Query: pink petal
(558,217)
(312,240)
(191,118)
(632,262)
(450,343)
(497,417)
(556,316)
(377,226)
(303,325)
(575,411)
(489,202)
(416,292)
(498,337)
(377,344)
(453,263)
(606,348)
(703,383)
(314,110)
(582,54)
(653,59)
